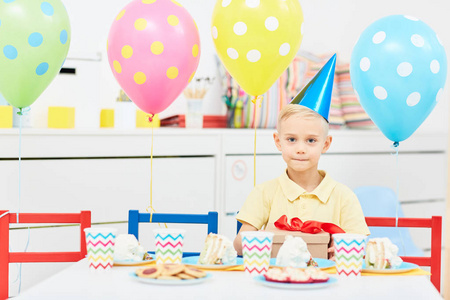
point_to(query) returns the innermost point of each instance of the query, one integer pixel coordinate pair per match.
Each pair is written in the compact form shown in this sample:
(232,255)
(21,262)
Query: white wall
(330,26)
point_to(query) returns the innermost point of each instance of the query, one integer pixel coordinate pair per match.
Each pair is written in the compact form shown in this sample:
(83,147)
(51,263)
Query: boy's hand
(238,240)
(331,250)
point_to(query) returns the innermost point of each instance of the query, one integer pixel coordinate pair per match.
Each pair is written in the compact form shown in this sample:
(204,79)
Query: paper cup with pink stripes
(256,249)
(100,247)
(169,245)
(349,253)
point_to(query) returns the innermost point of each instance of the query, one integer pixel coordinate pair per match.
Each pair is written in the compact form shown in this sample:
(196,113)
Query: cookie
(172,269)
(150,272)
(166,277)
(195,272)
(185,276)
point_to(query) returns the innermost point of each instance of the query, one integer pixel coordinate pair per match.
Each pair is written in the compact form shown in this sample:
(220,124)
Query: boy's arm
(352,217)
(238,239)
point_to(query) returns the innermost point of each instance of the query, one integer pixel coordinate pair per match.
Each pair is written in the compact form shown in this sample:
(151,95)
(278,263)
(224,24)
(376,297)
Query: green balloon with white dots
(34,41)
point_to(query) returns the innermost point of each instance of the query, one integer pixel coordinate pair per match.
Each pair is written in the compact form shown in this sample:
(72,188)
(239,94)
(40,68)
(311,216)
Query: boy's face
(301,142)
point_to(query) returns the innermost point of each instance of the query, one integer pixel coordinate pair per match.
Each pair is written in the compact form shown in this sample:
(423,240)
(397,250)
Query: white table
(77,282)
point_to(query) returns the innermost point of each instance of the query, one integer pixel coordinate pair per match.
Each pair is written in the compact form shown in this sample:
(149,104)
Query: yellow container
(6,116)
(142,120)
(107,118)
(61,117)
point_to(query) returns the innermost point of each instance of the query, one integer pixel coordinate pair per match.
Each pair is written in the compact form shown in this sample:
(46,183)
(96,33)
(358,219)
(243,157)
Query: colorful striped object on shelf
(353,113)
(241,110)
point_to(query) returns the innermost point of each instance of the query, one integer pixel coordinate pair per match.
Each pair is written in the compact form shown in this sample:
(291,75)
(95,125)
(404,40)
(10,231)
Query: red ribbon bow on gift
(307,226)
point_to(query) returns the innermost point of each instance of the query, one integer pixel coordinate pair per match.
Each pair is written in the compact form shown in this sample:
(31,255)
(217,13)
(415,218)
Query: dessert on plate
(170,272)
(294,253)
(127,248)
(381,254)
(218,250)
(294,275)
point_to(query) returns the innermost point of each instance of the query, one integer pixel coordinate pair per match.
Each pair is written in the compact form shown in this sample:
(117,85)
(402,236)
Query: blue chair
(135,217)
(379,201)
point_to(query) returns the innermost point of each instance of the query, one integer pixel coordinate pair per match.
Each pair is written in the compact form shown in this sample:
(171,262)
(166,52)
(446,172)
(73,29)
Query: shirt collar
(293,191)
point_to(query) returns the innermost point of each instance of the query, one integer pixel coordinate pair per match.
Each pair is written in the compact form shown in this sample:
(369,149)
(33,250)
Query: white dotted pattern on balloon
(232,53)
(379,37)
(214,32)
(240,28)
(435,66)
(225,3)
(271,23)
(404,69)
(252,3)
(380,92)
(413,99)
(417,40)
(284,49)
(364,64)
(253,55)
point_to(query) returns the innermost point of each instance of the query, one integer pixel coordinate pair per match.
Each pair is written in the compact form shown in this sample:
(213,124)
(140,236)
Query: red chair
(435,223)
(83,218)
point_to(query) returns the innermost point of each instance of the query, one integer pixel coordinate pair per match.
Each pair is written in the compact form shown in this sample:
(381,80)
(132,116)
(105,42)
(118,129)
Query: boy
(302,191)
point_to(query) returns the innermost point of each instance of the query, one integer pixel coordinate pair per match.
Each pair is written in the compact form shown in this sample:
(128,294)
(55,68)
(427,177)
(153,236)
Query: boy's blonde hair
(299,110)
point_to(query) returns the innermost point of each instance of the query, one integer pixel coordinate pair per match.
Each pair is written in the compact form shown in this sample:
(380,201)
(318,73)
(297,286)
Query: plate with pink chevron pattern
(404,267)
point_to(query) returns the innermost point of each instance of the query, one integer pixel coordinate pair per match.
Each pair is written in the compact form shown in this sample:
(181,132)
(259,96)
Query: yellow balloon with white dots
(256,40)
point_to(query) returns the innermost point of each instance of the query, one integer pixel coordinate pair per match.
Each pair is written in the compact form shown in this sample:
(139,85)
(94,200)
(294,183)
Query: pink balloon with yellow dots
(153,51)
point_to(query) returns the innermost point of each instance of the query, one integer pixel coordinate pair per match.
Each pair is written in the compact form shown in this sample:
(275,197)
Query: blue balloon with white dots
(398,70)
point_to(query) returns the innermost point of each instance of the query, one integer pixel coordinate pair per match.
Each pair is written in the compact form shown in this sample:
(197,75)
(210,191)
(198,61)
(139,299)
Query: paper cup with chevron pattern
(256,249)
(169,245)
(349,252)
(100,247)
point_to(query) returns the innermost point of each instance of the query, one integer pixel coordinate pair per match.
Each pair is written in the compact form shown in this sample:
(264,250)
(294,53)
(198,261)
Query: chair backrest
(435,223)
(135,217)
(380,201)
(83,218)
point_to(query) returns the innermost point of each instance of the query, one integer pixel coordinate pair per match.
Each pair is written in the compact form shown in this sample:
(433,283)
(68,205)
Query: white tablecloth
(78,282)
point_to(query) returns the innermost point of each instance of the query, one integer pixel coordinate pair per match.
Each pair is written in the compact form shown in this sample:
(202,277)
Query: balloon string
(152,209)
(20,113)
(256,100)
(397,208)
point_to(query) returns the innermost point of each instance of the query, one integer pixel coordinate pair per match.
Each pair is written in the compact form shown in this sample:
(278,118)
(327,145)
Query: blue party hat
(316,95)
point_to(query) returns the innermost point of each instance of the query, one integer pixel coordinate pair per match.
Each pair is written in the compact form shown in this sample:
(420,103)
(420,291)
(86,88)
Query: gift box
(61,117)
(317,243)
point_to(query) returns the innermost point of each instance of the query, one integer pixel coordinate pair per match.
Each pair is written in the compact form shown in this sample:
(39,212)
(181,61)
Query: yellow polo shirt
(330,202)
